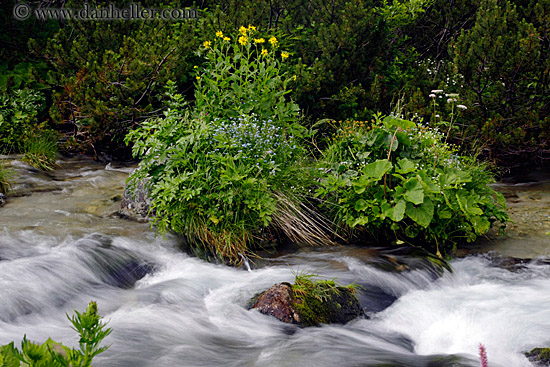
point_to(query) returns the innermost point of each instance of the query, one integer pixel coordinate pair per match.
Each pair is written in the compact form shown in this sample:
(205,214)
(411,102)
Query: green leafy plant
(51,354)
(18,117)
(401,180)
(241,75)
(221,171)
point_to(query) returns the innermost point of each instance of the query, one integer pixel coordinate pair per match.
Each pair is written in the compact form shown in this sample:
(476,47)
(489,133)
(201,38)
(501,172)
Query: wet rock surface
(340,305)
(277,302)
(528,205)
(3,200)
(135,203)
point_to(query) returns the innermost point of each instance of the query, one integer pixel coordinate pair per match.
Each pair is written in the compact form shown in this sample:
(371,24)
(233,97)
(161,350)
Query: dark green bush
(109,76)
(504,60)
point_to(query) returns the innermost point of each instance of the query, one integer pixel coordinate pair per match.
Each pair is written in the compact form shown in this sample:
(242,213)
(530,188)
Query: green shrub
(400,180)
(21,132)
(51,354)
(18,117)
(504,61)
(220,172)
(109,76)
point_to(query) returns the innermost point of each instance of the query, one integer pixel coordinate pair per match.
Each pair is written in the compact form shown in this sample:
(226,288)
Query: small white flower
(461,106)
(432,95)
(437,91)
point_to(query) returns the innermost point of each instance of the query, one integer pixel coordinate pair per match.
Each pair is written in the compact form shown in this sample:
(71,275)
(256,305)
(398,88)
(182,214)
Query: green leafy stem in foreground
(52,354)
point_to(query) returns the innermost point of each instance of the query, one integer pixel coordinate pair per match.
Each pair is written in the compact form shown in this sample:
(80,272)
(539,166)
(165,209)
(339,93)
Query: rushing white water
(169,309)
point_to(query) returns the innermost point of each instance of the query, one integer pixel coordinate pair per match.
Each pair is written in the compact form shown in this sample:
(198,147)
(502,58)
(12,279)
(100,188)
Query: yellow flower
(219,34)
(259,40)
(242,30)
(251,28)
(227,39)
(194,67)
(198,78)
(206,44)
(273,41)
(264,52)
(284,55)
(294,77)
(243,40)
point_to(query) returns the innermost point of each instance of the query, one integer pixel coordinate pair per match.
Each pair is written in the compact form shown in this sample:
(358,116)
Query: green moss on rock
(324,302)
(539,355)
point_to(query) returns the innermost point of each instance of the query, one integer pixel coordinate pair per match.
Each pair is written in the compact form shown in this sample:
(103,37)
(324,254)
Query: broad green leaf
(414,191)
(377,169)
(398,211)
(428,184)
(467,203)
(361,205)
(421,214)
(390,121)
(454,177)
(481,224)
(361,184)
(359,221)
(405,166)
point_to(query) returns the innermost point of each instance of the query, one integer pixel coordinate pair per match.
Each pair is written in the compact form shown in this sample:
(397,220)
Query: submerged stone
(3,200)
(309,303)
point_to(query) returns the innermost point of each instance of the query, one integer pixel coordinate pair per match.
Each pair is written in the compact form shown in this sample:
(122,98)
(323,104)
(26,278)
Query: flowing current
(61,246)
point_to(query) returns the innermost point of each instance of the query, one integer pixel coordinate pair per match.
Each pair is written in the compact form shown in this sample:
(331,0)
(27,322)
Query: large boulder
(135,204)
(309,303)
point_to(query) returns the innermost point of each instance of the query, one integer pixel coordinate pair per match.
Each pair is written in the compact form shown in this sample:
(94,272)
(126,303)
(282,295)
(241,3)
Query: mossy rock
(540,355)
(310,303)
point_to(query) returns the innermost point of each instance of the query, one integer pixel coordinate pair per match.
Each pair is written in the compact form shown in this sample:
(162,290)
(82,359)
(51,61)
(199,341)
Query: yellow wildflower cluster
(243,40)
(245,37)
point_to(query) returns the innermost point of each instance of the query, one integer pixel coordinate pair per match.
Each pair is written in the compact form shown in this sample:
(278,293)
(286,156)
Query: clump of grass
(300,223)
(5,176)
(41,151)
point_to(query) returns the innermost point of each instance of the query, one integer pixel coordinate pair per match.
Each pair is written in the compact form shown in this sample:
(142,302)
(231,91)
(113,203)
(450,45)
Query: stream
(62,245)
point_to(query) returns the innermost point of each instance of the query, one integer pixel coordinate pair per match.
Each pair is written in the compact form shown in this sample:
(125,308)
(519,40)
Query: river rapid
(62,245)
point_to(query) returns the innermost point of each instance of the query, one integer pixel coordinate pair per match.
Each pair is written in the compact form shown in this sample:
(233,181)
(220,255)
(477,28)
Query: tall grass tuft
(5,176)
(41,151)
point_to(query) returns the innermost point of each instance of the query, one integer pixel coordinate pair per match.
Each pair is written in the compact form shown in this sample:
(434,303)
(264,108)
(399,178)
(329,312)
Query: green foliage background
(351,59)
